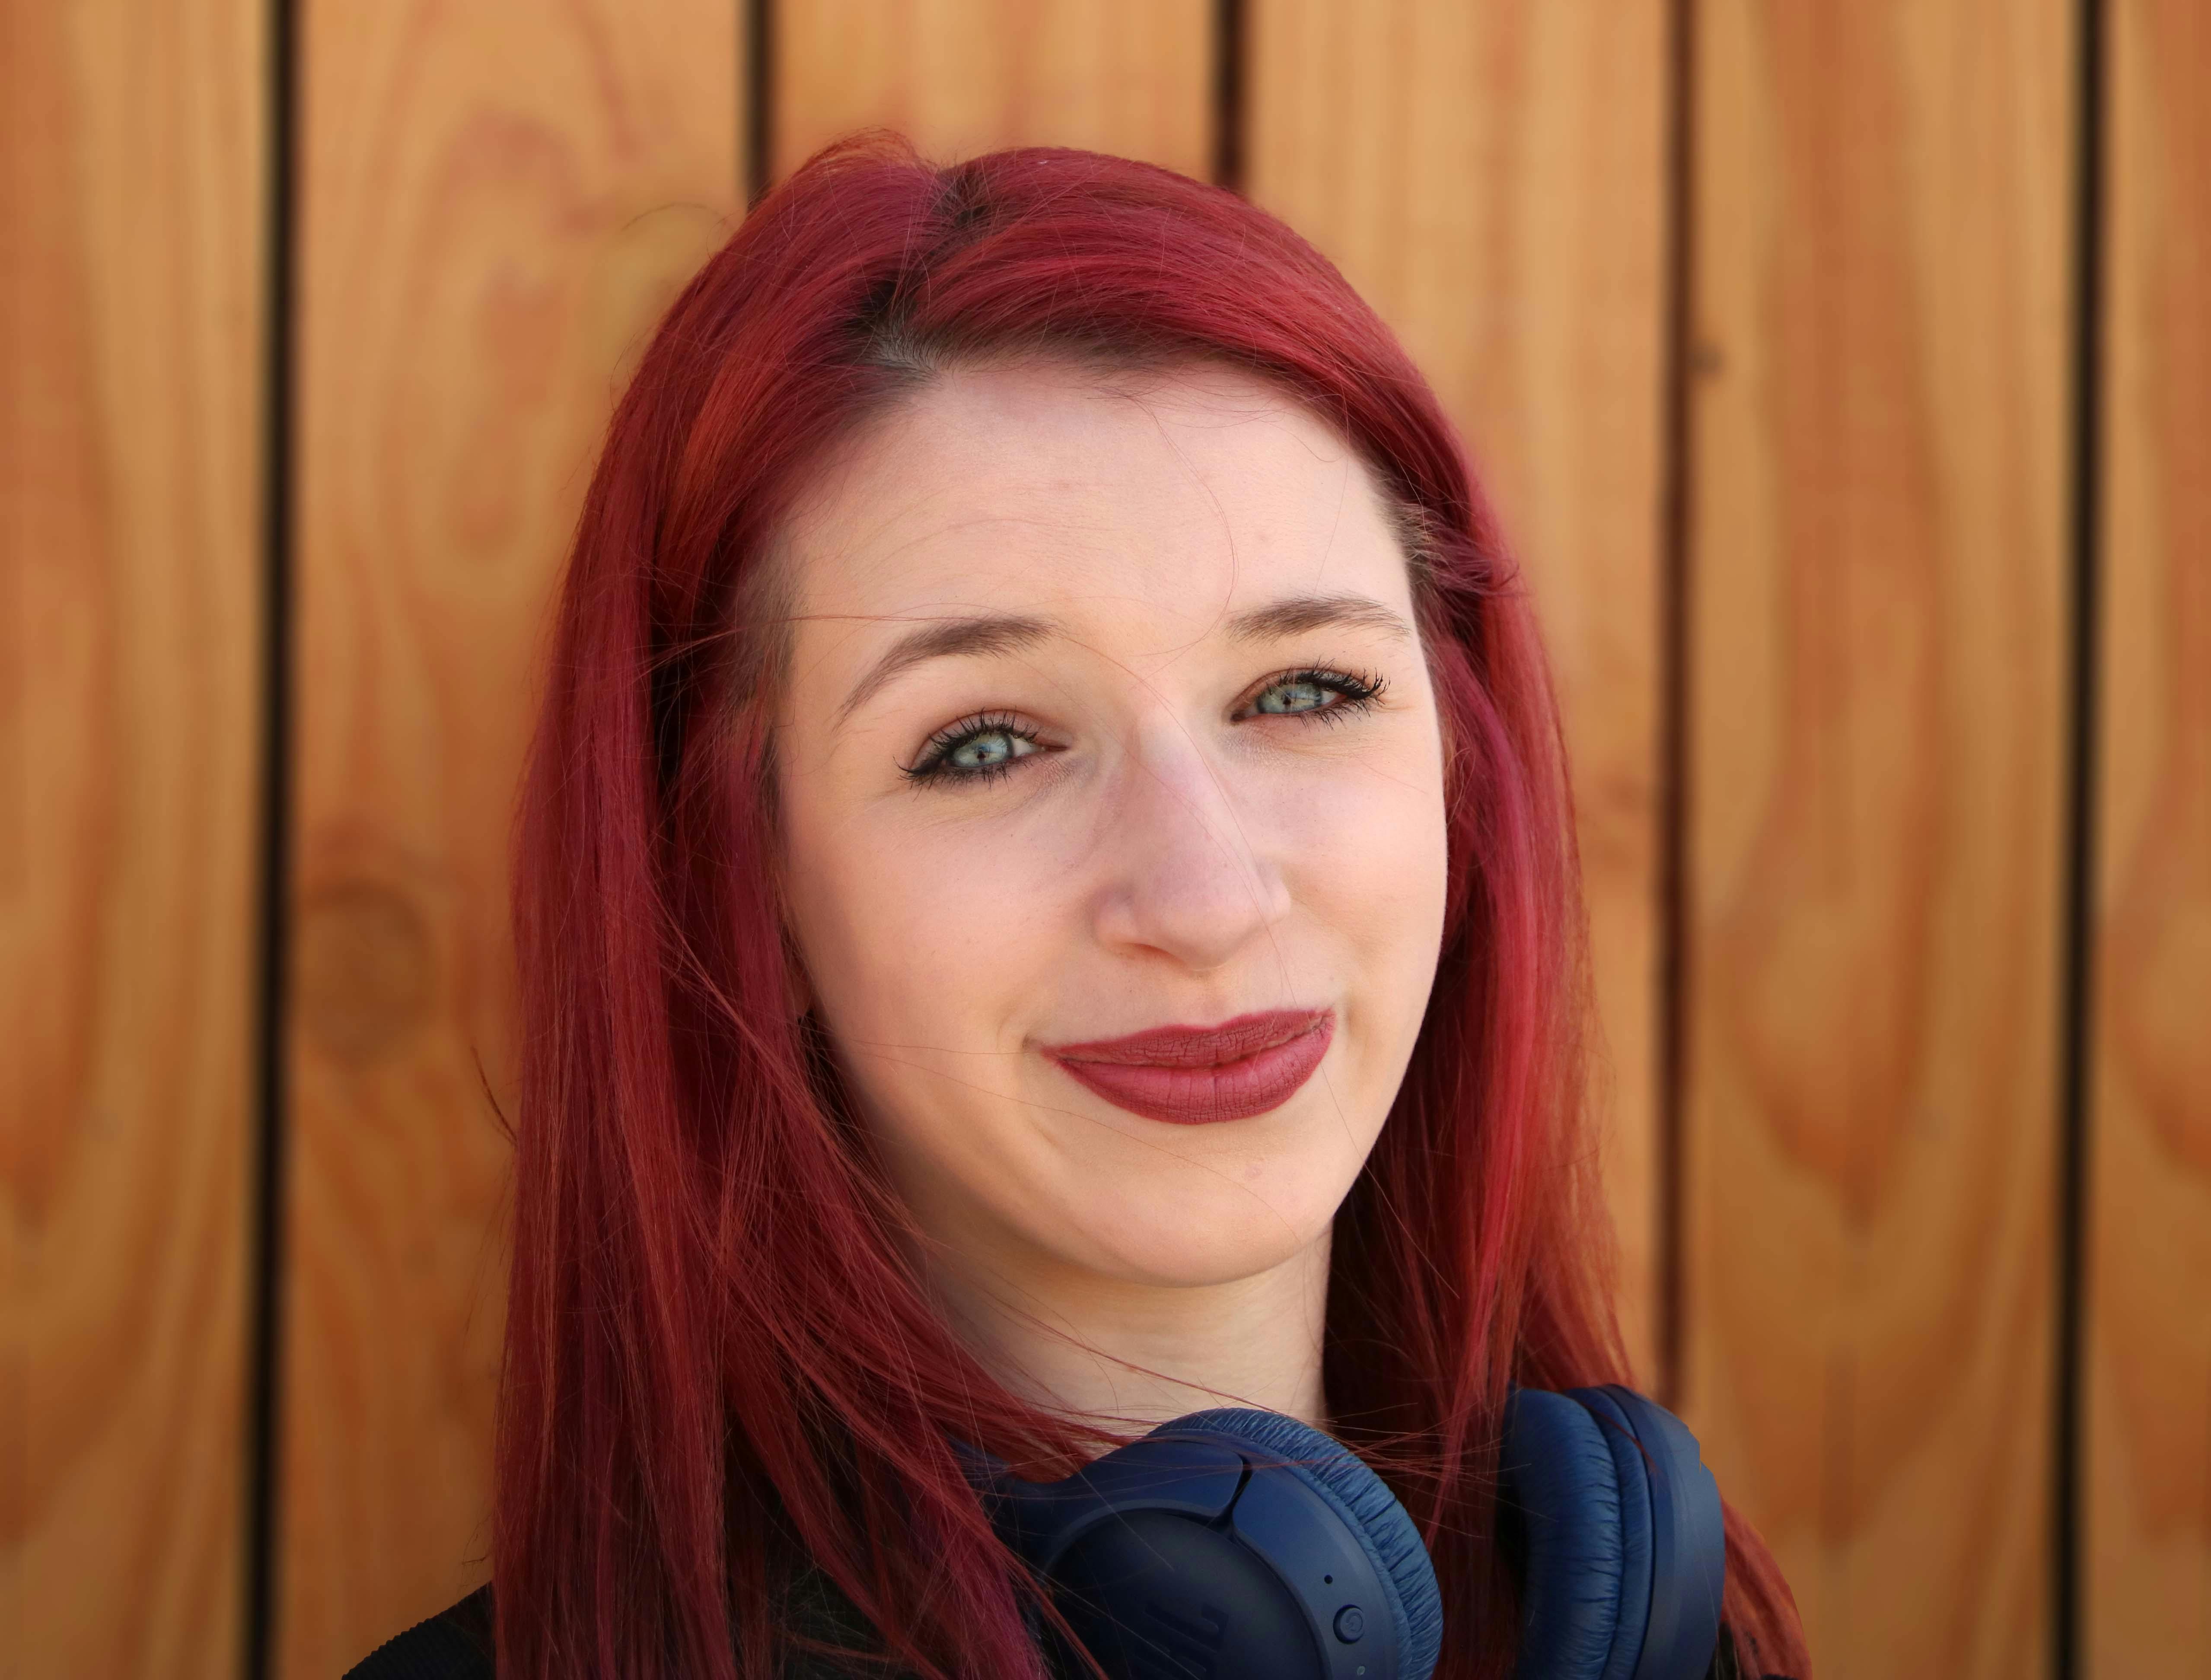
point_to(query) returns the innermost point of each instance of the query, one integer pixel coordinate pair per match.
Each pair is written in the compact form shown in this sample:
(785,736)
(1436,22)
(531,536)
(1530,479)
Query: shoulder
(455,1644)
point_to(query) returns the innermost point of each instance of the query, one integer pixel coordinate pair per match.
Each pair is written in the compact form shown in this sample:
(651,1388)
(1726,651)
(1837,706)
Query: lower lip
(1169,1077)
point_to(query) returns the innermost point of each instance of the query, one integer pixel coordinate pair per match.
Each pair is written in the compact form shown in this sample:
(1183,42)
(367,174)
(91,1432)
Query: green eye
(1311,693)
(976,749)
(1294,695)
(987,750)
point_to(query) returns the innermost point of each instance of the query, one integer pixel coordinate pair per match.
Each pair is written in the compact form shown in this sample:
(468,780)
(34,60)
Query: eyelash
(1359,691)
(935,762)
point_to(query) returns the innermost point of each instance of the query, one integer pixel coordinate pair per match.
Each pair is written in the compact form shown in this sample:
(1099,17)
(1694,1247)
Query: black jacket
(456,1645)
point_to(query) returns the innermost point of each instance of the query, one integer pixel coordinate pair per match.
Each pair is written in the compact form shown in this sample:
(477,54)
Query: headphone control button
(1350,1624)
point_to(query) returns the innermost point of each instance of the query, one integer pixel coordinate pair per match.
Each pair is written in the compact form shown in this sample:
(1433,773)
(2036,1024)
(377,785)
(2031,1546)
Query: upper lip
(1198,1047)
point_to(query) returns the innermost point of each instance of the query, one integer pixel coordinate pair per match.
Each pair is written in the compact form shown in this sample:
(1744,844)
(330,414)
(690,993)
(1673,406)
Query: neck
(1116,1353)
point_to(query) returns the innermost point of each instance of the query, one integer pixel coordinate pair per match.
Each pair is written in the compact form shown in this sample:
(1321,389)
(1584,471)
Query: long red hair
(718,1358)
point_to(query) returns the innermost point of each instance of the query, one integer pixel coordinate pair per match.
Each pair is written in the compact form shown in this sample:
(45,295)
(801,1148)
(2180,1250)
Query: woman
(1047,902)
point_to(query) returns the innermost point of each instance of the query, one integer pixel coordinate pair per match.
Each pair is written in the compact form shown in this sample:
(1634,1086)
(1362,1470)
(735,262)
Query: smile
(1193,1076)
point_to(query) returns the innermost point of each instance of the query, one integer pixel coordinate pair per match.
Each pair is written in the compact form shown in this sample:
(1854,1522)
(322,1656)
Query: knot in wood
(366,970)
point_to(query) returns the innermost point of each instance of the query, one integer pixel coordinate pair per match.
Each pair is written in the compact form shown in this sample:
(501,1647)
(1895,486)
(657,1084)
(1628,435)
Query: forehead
(1165,500)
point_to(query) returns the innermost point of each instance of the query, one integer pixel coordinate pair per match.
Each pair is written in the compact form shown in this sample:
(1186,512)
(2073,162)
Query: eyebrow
(947,638)
(1006,632)
(1295,615)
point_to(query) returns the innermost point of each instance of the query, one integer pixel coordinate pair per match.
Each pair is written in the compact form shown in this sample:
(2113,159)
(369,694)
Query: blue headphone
(1243,1545)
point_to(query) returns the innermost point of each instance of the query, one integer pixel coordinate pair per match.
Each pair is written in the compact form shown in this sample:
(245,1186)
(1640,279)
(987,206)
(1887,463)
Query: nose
(1187,875)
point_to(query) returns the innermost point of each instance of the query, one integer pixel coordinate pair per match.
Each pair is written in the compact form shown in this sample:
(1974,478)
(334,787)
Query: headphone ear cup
(1367,1506)
(1687,1533)
(1626,1552)
(1560,1475)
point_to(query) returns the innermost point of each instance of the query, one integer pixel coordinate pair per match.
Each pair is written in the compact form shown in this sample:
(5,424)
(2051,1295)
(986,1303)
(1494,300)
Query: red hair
(718,1357)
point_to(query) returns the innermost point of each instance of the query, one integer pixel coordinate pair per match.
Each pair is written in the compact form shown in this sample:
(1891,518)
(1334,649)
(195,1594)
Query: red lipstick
(1192,1076)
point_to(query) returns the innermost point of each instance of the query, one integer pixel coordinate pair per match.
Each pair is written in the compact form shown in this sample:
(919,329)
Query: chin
(1221,1235)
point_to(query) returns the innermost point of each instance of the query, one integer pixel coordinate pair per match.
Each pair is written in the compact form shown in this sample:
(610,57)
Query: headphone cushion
(1363,1499)
(1688,1539)
(1561,1475)
(1632,1476)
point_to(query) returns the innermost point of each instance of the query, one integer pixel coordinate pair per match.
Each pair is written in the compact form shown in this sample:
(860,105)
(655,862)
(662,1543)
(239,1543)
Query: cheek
(909,936)
(1370,871)
(1366,852)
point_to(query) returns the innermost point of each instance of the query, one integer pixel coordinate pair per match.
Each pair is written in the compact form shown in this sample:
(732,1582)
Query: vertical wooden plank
(1884,200)
(963,76)
(498,199)
(133,141)
(2148,1549)
(1492,178)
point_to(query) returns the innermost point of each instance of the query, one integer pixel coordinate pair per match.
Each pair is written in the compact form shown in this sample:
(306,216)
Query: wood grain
(133,147)
(1492,178)
(1879,508)
(963,76)
(498,199)
(2147,1547)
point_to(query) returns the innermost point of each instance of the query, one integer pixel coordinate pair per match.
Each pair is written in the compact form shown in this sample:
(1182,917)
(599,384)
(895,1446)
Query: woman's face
(1106,726)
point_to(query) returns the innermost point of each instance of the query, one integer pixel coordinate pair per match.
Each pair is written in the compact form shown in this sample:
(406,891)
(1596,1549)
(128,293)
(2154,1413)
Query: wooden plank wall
(962,76)
(1839,596)
(1876,806)
(496,201)
(132,151)
(2148,1383)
